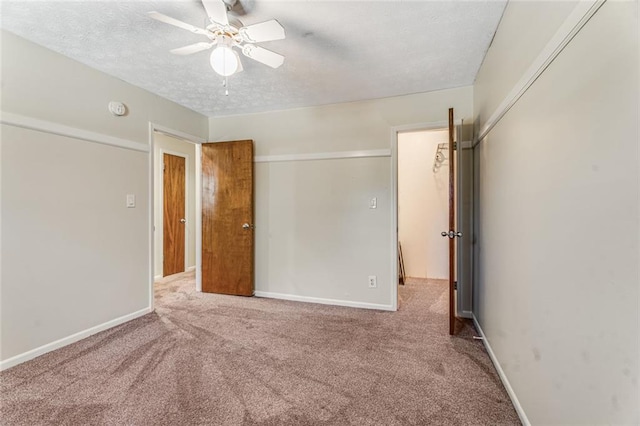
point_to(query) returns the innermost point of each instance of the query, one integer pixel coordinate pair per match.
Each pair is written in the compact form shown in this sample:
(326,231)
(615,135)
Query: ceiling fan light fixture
(227,33)
(224,60)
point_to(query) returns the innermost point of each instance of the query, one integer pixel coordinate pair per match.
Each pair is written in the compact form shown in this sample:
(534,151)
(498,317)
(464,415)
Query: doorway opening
(423,197)
(175,207)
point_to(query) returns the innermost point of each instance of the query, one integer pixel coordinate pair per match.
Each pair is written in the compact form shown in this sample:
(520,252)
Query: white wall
(341,127)
(323,241)
(40,83)
(73,256)
(525,29)
(423,204)
(316,238)
(557,256)
(171,145)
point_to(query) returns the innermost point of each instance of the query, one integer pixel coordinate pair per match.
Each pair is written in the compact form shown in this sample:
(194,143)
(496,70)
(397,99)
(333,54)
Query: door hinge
(455,285)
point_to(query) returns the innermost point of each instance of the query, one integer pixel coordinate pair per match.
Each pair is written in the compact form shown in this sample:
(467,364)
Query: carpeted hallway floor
(223,360)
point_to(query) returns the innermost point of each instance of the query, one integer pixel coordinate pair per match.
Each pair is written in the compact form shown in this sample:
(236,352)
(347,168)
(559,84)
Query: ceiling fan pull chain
(225,84)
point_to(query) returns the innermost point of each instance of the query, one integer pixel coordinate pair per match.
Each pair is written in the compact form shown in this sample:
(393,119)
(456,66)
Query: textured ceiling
(336,51)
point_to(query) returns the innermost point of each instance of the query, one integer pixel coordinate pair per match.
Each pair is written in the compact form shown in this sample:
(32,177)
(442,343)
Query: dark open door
(452,234)
(173,218)
(227,218)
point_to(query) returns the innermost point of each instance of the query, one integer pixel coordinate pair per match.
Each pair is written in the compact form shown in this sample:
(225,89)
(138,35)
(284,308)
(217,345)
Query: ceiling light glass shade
(224,61)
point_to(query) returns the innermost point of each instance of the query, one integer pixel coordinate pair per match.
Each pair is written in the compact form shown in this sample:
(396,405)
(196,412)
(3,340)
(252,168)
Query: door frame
(186,215)
(416,127)
(153,128)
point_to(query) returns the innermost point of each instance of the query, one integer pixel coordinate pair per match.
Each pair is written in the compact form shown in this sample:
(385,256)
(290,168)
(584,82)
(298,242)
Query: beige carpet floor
(221,360)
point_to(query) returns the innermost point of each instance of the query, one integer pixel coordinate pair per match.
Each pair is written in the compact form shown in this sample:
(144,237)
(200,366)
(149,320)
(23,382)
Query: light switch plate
(373,203)
(131,201)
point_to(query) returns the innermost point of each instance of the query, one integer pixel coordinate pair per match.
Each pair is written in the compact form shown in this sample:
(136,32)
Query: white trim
(433,125)
(323,156)
(29,355)
(152,225)
(194,139)
(153,127)
(187,215)
(503,376)
(567,31)
(177,134)
(394,279)
(30,123)
(190,268)
(333,302)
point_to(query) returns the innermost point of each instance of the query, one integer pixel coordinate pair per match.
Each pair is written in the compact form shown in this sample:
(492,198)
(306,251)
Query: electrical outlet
(373,282)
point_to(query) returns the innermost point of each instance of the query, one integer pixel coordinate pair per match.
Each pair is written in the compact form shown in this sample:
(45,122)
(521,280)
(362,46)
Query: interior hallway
(212,359)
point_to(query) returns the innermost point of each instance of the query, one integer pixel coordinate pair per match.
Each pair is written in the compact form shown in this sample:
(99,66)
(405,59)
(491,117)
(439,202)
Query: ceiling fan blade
(172,21)
(192,48)
(264,31)
(267,57)
(216,11)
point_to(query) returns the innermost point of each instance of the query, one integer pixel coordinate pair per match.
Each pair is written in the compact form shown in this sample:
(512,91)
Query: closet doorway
(174,205)
(423,202)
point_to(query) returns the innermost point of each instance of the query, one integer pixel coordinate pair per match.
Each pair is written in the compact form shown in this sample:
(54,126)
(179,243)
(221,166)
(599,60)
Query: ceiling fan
(225,33)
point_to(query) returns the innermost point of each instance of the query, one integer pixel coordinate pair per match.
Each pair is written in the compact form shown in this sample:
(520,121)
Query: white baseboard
(334,302)
(29,355)
(190,268)
(505,381)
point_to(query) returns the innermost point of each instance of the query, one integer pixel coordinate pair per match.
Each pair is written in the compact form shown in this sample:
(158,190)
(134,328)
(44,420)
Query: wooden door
(227,218)
(452,234)
(173,228)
